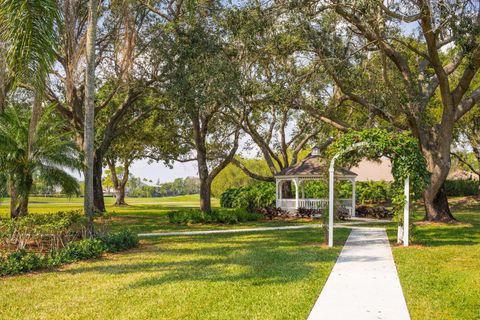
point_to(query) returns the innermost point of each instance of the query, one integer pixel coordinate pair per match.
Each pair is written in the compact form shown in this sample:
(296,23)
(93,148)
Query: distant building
(379,170)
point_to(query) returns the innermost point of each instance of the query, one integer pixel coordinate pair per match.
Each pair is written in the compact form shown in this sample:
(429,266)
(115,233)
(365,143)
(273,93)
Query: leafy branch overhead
(402,150)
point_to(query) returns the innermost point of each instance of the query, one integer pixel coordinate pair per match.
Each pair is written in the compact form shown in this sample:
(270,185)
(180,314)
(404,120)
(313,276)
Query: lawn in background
(269,275)
(144,215)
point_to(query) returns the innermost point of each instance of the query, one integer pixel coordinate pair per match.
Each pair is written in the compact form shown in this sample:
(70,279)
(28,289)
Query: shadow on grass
(464,233)
(263,258)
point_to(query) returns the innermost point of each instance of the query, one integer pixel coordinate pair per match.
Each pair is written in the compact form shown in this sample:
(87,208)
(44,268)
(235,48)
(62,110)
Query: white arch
(403,232)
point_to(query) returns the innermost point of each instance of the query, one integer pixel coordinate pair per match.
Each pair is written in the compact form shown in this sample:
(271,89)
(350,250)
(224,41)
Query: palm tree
(29,33)
(89,133)
(28,40)
(52,151)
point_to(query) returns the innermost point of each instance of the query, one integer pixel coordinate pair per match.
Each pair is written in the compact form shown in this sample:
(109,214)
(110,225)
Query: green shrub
(46,231)
(461,188)
(20,261)
(25,261)
(82,250)
(119,241)
(256,196)
(373,191)
(187,216)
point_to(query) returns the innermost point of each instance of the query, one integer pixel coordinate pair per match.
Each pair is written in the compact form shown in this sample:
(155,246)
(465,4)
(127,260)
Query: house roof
(313,166)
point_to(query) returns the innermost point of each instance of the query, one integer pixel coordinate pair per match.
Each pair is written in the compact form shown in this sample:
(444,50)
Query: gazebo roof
(313,165)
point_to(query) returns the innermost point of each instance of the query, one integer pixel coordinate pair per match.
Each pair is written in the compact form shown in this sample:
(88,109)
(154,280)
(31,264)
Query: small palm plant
(51,152)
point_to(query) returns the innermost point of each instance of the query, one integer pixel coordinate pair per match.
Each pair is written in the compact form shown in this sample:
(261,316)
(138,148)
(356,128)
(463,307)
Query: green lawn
(275,275)
(143,214)
(440,272)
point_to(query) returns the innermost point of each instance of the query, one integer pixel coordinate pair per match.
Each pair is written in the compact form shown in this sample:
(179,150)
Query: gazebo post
(296,192)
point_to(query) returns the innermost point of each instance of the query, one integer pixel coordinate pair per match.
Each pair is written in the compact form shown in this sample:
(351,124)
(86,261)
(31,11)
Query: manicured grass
(440,272)
(274,275)
(143,214)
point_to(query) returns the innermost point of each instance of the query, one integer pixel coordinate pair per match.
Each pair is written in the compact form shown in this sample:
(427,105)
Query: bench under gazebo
(312,168)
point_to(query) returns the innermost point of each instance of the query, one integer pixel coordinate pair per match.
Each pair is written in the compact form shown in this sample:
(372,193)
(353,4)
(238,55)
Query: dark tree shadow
(264,258)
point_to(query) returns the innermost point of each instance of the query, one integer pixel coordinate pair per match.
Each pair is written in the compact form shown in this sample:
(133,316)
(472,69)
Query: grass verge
(269,275)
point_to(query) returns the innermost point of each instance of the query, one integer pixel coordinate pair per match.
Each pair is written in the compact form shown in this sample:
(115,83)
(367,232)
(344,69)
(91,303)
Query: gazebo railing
(312,203)
(290,204)
(286,204)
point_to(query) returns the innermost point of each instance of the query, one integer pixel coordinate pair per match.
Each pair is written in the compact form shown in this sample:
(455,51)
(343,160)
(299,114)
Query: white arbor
(403,231)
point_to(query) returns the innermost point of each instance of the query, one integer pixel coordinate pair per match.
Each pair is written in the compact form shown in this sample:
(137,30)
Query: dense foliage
(403,150)
(187,216)
(461,188)
(119,241)
(256,196)
(24,261)
(43,231)
(48,240)
(24,163)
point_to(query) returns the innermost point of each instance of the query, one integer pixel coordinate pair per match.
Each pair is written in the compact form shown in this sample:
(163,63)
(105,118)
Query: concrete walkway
(363,283)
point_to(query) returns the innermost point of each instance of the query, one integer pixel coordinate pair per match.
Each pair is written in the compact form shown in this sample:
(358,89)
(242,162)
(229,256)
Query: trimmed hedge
(461,188)
(187,216)
(120,241)
(262,194)
(22,260)
(259,195)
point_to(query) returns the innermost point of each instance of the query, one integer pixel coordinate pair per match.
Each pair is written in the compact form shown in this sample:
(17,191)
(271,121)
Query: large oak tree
(421,87)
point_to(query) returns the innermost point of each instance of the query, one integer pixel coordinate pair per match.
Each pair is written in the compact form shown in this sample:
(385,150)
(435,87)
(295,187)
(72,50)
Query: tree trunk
(23,207)
(34,119)
(120,196)
(436,208)
(3,77)
(287,190)
(14,213)
(476,151)
(205,195)
(90,116)
(437,155)
(98,200)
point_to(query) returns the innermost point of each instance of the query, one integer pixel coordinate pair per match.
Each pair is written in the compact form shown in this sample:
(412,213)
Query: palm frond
(29,29)
(53,176)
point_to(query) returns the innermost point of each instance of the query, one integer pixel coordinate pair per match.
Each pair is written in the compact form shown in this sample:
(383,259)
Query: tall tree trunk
(3,77)
(437,154)
(119,185)
(14,213)
(120,196)
(287,190)
(98,199)
(90,114)
(23,207)
(476,151)
(205,194)
(34,119)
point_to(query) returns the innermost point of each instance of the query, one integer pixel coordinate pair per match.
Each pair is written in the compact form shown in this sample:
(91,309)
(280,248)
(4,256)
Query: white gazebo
(311,168)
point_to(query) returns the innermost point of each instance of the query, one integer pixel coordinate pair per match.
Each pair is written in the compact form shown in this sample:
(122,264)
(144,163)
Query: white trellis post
(406,212)
(403,231)
(331,191)
(354,197)
(331,174)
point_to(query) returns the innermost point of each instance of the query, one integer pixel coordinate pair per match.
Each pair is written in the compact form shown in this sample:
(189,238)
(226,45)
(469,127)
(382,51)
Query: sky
(158,171)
